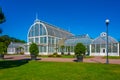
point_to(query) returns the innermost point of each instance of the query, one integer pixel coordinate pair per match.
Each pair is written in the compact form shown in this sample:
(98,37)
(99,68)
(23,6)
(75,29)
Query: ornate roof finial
(37,20)
(36,16)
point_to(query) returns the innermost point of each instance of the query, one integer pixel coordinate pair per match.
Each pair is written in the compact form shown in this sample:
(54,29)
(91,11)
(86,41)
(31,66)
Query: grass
(112,57)
(36,70)
(68,56)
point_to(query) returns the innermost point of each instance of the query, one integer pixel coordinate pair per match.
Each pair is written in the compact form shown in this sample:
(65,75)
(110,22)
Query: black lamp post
(107,22)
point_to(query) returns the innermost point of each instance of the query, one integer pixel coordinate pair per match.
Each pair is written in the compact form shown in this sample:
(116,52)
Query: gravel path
(88,60)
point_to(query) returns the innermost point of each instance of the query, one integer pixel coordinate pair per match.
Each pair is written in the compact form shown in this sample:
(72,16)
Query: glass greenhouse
(98,46)
(72,41)
(51,39)
(14,48)
(46,36)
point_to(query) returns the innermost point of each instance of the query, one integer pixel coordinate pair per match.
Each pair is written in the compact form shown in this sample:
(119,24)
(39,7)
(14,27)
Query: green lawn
(36,70)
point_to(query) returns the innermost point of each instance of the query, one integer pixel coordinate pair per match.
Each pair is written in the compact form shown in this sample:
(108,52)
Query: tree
(62,49)
(80,50)
(34,51)
(3,50)
(1,31)
(2,17)
(7,40)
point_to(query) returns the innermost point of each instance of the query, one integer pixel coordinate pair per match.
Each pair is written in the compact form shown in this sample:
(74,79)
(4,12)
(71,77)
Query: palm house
(46,36)
(98,46)
(51,39)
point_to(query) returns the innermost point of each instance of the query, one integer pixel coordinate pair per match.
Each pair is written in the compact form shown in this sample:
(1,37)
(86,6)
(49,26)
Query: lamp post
(107,22)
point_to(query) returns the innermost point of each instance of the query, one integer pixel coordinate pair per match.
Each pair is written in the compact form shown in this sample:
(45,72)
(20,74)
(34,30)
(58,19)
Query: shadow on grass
(12,63)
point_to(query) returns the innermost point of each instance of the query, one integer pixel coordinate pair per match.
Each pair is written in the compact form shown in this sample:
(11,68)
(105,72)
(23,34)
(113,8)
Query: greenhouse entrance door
(103,51)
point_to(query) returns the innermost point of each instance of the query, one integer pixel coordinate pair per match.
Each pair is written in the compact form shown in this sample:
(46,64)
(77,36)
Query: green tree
(62,49)
(80,49)
(2,17)
(7,40)
(1,31)
(34,49)
(3,48)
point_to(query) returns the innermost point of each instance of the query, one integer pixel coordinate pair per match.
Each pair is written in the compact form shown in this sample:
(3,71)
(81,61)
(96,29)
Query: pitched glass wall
(112,48)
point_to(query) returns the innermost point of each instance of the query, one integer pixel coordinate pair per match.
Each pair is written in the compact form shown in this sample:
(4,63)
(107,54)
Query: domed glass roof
(102,39)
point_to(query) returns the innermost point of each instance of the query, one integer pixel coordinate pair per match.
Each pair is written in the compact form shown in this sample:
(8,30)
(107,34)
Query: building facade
(98,46)
(50,38)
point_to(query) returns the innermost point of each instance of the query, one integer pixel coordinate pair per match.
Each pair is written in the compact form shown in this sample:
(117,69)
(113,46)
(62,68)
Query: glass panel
(37,30)
(44,39)
(40,30)
(40,48)
(93,47)
(115,47)
(41,39)
(49,40)
(31,40)
(103,46)
(36,40)
(98,48)
(44,31)
(44,48)
(109,47)
(32,31)
(52,40)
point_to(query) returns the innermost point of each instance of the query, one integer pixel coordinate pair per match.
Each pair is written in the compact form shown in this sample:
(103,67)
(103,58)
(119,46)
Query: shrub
(80,49)
(55,53)
(34,49)
(58,56)
(22,53)
(50,55)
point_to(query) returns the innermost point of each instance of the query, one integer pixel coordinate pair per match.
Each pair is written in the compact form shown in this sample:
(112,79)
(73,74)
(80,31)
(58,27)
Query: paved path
(89,60)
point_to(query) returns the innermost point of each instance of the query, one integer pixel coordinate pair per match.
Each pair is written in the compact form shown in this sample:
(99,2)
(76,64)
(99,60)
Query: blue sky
(78,16)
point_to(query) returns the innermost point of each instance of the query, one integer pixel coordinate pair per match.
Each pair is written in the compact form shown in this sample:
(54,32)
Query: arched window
(42,30)
(37,30)
(31,33)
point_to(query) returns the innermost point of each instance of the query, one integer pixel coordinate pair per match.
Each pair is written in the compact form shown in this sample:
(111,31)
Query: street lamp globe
(107,21)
